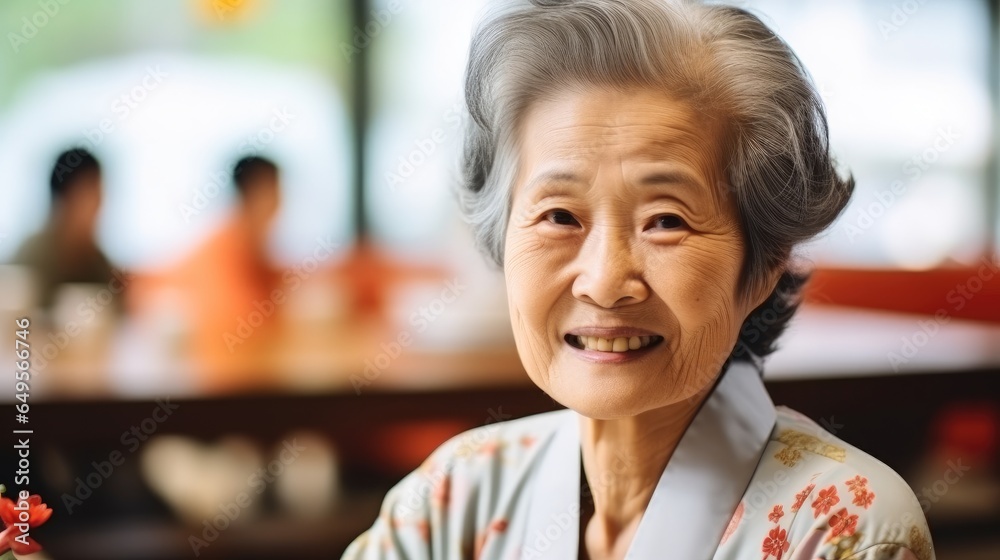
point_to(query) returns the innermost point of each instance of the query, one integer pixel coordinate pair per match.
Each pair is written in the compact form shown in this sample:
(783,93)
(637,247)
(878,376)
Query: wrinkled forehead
(580,129)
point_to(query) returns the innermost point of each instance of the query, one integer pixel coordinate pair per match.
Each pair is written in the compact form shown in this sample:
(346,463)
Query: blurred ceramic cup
(168,321)
(316,300)
(84,313)
(466,310)
(309,486)
(201,482)
(18,295)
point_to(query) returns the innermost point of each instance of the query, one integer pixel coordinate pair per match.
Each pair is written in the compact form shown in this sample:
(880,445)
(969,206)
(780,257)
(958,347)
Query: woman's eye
(668,221)
(561,217)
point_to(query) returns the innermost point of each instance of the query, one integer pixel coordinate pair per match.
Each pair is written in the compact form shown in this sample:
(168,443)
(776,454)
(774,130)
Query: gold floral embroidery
(845,546)
(789,456)
(920,545)
(886,552)
(798,442)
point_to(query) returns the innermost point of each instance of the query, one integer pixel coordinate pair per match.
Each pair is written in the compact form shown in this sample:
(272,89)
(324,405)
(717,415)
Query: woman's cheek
(709,274)
(701,295)
(537,264)
(529,274)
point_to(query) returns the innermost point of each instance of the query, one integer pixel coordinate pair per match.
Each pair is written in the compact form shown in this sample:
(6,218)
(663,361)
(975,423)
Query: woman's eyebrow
(672,177)
(553,176)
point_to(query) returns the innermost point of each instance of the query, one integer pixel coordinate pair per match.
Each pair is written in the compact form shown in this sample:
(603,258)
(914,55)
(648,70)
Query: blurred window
(907,89)
(169,95)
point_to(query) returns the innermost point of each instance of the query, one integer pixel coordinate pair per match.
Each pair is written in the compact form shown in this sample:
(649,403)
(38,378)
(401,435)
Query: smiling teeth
(621,344)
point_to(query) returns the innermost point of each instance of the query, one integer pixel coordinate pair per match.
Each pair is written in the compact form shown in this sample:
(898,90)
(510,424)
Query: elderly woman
(642,169)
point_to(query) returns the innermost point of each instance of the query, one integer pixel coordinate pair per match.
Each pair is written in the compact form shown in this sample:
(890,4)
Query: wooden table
(833,366)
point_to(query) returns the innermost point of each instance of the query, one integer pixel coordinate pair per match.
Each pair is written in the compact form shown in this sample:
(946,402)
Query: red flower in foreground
(38,513)
(775,543)
(857,484)
(842,524)
(864,499)
(826,500)
(775,514)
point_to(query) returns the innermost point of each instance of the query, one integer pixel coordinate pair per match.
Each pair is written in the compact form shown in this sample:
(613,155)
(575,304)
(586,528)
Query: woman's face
(623,252)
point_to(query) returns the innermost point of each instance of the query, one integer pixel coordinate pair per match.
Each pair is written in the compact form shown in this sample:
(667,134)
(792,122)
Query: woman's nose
(610,274)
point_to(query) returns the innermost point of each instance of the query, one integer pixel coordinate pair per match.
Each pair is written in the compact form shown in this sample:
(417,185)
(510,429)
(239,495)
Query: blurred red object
(969,430)
(959,292)
(402,447)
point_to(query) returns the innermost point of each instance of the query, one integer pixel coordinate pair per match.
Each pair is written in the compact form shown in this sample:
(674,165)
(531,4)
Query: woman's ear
(760,291)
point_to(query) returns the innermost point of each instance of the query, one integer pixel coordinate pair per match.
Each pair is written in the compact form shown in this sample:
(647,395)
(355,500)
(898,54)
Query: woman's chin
(599,401)
(611,391)
(602,412)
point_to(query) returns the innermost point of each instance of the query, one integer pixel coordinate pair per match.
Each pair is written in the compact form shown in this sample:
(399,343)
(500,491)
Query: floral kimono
(746,481)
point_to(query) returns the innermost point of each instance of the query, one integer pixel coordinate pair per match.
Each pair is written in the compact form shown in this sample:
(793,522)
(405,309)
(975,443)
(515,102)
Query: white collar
(698,491)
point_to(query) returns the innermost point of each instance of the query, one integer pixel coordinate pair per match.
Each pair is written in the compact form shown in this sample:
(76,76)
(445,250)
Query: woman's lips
(612,344)
(629,344)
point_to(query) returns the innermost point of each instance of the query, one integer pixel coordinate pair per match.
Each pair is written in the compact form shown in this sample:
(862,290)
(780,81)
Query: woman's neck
(623,460)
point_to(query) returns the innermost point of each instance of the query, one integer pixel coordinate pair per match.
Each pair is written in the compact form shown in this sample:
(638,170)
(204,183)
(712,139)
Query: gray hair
(720,58)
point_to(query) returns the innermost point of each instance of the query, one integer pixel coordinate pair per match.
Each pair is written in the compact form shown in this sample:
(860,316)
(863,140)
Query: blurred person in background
(231,269)
(218,284)
(65,250)
(240,247)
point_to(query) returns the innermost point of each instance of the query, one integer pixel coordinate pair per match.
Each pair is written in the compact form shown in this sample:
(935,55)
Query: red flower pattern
(864,499)
(497,526)
(800,498)
(441,492)
(859,487)
(776,514)
(842,524)
(424,528)
(857,484)
(827,499)
(38,513)
(775,543)
(489,448)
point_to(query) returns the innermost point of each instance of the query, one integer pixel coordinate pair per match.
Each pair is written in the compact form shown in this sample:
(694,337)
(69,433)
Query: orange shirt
(219,290)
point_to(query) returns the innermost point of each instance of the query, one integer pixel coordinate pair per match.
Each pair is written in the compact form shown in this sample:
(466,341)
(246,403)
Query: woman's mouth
(612,345)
